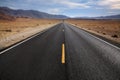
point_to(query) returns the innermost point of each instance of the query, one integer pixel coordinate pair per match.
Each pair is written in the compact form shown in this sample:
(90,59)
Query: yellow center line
(63,54)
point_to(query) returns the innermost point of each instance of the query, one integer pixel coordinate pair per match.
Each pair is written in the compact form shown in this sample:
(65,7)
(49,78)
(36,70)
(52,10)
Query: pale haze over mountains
(29,13)
(37,14)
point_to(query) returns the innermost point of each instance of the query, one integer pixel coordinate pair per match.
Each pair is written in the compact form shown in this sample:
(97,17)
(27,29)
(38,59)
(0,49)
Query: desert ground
(21,28)
(12,31)
(109,29)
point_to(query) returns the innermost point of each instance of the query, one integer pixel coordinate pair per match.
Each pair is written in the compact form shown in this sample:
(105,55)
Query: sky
(72,8)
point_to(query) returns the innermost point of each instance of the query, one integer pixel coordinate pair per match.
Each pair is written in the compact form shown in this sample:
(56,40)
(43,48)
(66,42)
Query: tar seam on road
(63,54)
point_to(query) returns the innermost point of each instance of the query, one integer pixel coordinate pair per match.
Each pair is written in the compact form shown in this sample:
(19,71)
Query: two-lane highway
(63,52)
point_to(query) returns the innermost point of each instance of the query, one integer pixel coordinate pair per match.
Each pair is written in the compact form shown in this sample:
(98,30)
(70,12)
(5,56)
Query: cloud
(54,11)
(110,4)
(67,7)
(116,6)
(112,12)
(70,4)
(74,4)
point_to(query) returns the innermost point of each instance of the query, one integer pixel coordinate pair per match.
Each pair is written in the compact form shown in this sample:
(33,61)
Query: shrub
(115,36)
(9,30)
(104,33)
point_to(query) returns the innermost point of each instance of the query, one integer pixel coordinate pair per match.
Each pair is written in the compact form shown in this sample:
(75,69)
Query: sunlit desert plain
(109,29)
(12,31)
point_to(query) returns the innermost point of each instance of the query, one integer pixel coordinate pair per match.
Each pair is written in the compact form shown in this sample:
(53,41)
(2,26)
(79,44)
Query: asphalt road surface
(40,58)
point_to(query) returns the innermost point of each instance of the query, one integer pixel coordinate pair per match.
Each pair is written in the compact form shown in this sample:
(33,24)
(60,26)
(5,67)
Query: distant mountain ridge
(6,17)
(101,17)
(37,14)
(110,17)
(29,13)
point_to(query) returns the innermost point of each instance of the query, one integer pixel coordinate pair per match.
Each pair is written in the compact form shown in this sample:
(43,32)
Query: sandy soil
(109,29)
(15,31)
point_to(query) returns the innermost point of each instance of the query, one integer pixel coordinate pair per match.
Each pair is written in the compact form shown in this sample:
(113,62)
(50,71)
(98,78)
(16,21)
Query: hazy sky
(71,8)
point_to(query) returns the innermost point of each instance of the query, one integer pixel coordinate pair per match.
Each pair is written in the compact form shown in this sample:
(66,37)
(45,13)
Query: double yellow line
(63,54)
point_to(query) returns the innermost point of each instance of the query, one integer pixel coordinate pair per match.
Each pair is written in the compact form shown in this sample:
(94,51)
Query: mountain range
(109,17)
(10,13)
(6,17)
(29,13)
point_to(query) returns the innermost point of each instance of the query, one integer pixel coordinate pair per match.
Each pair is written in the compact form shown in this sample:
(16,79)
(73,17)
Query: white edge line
(105,42)
(100,39)
(23,41)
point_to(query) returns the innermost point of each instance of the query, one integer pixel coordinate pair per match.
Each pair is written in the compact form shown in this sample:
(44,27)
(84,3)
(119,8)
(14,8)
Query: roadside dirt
(109,29)
(15,31)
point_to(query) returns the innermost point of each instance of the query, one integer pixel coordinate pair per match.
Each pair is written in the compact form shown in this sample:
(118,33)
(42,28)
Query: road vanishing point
(62,52)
